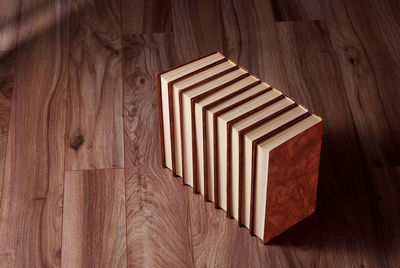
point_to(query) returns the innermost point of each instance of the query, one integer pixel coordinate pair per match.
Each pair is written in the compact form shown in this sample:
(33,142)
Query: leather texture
(292,181)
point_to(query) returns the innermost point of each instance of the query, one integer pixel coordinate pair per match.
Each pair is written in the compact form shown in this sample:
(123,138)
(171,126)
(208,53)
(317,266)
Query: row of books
(241,143)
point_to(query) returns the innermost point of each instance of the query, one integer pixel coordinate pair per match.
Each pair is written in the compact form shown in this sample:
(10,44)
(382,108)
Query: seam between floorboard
(93,169)
(190,227)
(66,129)
(123,129)
(12,102)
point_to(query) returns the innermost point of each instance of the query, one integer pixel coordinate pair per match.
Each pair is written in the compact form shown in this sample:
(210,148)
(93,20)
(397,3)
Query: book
(244,145)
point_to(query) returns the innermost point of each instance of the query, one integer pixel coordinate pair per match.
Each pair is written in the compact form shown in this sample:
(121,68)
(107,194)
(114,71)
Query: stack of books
(241,143)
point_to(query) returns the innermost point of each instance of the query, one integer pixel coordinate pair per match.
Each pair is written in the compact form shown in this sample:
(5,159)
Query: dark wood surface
(95,123)
(158,227)
(94,233)
(77,91)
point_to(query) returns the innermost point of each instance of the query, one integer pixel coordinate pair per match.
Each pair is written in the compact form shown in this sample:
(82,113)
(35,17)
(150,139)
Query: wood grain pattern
(374,125)
(197,28)
(344,67)
(7,75)
(94,231)
(300,246)
(342,206)
(383,189)
(31,205)
(374,23)
(9,21)
(286,10)
(248,39)
(217,240)
(157,205)
(146,16)
(95,123)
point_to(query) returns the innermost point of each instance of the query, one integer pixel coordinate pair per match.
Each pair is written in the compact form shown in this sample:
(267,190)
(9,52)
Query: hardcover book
(247,147)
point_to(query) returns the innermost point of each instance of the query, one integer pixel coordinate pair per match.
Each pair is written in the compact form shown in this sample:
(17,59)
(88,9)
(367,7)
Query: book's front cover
(292,181)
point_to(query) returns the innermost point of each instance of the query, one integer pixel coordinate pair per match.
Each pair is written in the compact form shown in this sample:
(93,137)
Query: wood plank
(375,23)
(95,123)
(217,240)
(31,205)
(384,189)
(249,39)
(364,89)
(7,75)
(197,28)
(157,204)
(9,20)
(286,10)
(343,210)
(245,37)
(300,246)
(94,231)
(146,16)
(234,246)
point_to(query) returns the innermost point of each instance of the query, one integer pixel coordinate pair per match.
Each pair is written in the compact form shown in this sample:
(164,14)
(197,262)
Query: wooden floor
(81,178)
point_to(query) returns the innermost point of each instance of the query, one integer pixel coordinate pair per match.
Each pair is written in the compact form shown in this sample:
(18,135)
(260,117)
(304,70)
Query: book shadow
(351,214)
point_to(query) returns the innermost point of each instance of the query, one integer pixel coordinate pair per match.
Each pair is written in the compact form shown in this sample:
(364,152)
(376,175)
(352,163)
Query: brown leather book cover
(292,181)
